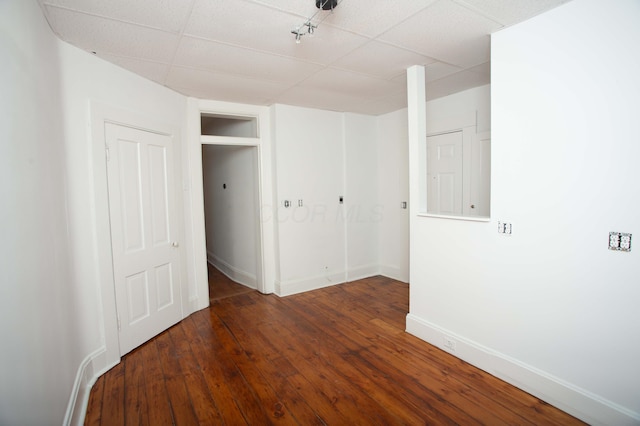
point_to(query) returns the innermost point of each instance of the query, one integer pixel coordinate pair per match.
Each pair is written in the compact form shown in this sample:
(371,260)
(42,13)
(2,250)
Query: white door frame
(195,210)
(101,114)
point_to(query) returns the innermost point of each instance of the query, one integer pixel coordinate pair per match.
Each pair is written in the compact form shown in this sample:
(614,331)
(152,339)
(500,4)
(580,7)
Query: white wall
(65,201)
(92,87)
(230,185)
(54,324)
(363,212)
(468,108)
(87,81)
(320,156)
(393,189)
(309,166)
(40,316)
(541,308)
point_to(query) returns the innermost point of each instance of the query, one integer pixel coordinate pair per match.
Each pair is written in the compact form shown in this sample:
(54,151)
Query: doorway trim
(197,252)
(100,114)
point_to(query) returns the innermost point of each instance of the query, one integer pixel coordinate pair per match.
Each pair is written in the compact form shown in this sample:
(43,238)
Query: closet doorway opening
(231,205)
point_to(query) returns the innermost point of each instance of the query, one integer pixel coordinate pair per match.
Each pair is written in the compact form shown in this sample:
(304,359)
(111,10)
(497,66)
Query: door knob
(174,244)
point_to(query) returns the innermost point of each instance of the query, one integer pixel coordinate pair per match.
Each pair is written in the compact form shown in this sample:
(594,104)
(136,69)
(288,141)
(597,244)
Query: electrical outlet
(619,241)
(449,343)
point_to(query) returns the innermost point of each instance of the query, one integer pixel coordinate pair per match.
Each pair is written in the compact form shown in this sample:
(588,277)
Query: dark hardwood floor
(221,286)
(335,356)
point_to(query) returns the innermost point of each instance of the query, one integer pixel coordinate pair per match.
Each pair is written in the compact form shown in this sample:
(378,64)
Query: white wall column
(417,131)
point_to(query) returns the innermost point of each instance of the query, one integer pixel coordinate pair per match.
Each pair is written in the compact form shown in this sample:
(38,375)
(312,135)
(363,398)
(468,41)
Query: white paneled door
(444,174)
(144,233)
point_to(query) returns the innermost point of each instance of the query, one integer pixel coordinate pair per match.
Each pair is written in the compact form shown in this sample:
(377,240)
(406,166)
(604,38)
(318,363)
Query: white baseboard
(567,397)
(360,272)
(235,274)
(394,273)
(287,288)
(92,367)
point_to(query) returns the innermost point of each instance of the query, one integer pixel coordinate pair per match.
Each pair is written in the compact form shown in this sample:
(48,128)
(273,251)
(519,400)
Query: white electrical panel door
(143,232)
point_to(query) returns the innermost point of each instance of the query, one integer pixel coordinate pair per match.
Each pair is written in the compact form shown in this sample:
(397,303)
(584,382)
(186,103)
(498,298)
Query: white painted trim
(86,377)
(265,274)
(195,237)
(229,140)
(467,218)
(238,275)
(578,402)
(395,273)
(345,192)
(80,392)
(99,115)
(361,272)
(287,288)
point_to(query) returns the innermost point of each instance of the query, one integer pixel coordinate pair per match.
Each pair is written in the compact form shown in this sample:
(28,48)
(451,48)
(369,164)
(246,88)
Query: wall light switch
(625,242)
(619,241)
(504,228)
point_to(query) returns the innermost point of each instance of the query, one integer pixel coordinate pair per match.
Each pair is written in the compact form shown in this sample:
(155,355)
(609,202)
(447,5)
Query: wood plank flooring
(221,286)
(335,356)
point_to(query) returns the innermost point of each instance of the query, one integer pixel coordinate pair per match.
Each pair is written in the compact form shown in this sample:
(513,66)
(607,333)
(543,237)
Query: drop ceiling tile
(245,24)
(454,83)
(372,18)
(258,27)
(154,71)
(448,32)
(327,45)
(167,15)
(438,70)
(392,102)
(312,97)
(223,87)
(366,17)
(107,36)
(483,69)
(349,83)
(303,8)
(381,60)
(213,56)
(434,71)
(512,11)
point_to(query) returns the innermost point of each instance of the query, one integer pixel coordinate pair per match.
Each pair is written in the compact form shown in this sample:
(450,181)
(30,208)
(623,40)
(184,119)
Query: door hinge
(119,325)
(107,153)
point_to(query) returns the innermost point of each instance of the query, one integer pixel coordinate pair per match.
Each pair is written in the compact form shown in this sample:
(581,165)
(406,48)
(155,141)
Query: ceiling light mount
(322,5)
(311,29)
(326,4)
(298,33)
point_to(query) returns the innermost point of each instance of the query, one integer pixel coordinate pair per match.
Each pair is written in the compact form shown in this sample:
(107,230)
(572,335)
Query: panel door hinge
(107,153)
